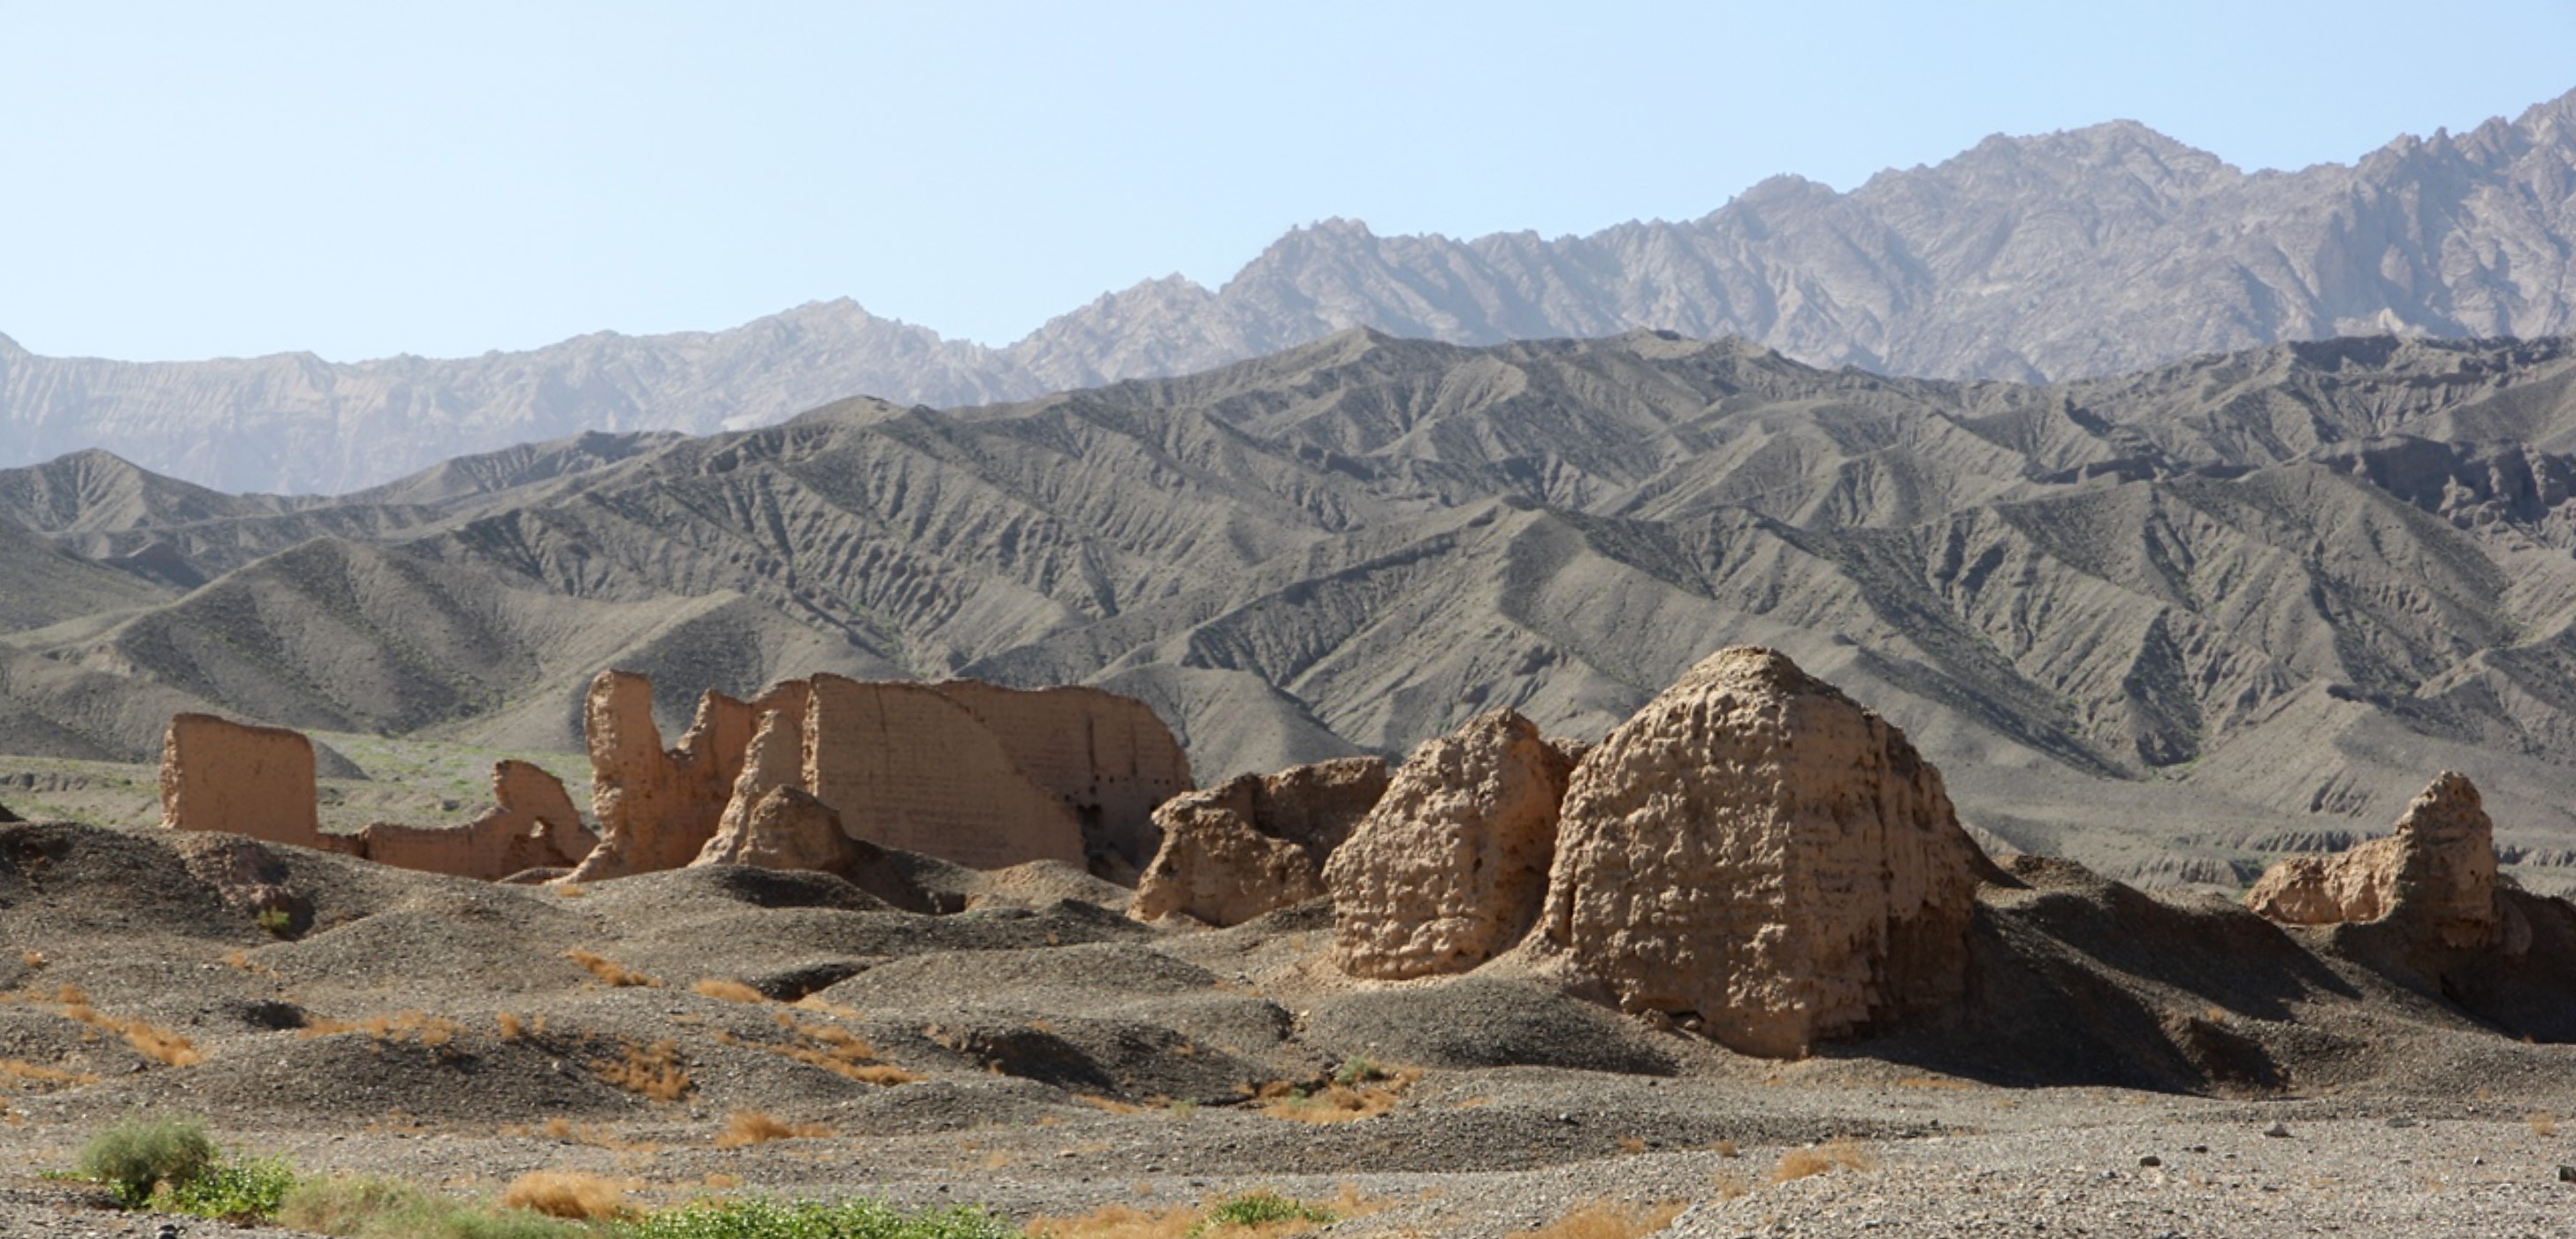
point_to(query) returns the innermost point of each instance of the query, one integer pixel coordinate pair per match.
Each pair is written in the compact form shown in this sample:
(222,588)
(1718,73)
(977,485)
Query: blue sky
(198,180)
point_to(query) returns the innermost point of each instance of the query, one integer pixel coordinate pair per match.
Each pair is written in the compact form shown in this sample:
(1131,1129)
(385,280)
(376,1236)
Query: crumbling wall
(219,775)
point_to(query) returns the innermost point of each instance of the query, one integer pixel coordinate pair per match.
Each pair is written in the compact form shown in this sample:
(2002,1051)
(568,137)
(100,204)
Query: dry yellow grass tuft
(1334,1103)
(2543,1124)
(567,890)
(1839,1153)
(610,972)
(1725,1148)
(1631,1144)
(32,959)
(514,1026)
(1730,1184)
(1109,1104)
(828,1046)
(1120,1222)
(729,991)
(1603,1220)
(569,1194)
(149,1040)
(652,1071)
(19,1071)
(748,1127)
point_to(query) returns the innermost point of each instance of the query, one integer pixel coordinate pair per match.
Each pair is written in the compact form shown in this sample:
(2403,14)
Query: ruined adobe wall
(1108,757)
(909,767)
(532,825)
(220,775)
(656,808)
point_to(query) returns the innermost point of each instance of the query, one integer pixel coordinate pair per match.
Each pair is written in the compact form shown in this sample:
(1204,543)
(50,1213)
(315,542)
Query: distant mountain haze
(2162,622)
(2072,255)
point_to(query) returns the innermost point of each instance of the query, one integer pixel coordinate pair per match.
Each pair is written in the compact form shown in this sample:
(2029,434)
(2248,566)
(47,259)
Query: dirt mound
(1476,1022)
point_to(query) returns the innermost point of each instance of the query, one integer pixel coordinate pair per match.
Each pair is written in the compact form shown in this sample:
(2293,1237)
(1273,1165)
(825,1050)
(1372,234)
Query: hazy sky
(184,180)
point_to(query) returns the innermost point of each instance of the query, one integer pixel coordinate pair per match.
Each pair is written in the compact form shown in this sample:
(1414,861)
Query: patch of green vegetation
(372,1207)
(852,1219)
(1260,1209)
(237,1189)
(1358,1071)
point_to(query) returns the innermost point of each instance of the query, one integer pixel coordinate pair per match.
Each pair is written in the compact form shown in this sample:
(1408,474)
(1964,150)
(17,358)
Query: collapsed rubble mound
(1755,853)
(2436,872)
(1256,843)
(1450,869)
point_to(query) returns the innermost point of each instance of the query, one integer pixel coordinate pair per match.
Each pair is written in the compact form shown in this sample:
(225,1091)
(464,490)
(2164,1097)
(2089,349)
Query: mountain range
(2165,622)
(2072,255)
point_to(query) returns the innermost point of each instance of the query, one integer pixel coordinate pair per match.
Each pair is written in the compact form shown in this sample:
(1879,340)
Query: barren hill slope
(2050,257)
(2164,621)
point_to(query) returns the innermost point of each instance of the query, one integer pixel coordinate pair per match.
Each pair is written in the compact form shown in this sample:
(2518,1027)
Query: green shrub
(1358,1071)
(137,1155)
(805,1219)
(1258,1209)
(237,1189)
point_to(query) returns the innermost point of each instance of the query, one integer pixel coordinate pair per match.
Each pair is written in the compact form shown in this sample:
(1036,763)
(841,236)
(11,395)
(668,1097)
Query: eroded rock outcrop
(911,768)
(532,825)
(2435,873)
(1755,850)
(219,775)
(1450,868)
(1255,843)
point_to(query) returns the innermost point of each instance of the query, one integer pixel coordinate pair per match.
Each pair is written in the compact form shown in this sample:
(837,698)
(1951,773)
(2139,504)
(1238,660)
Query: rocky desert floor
(2124,1065)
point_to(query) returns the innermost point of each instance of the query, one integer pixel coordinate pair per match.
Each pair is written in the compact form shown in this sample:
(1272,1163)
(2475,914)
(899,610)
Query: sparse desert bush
(749,1127)
(609,972)
(729,991)
(135,1156)
(569,1194)
(855,1219)
(31,958)
(2543,1124)
(514,1026)
(652,1071)
(1603,1220)
(1839,1153)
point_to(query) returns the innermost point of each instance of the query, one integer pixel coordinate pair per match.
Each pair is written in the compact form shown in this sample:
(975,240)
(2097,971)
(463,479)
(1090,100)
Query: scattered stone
(234,778)
(2567,1174)
(1757,850)
(2151,1161)
(2401,1121)
(1255,844)
(2278,1131)
(1450,868)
